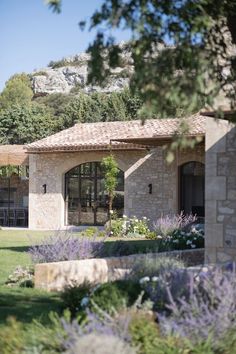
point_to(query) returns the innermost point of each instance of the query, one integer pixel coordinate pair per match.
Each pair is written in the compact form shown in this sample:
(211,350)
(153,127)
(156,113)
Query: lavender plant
(65,247)
(166,225)
(208,313)
(177,281)
(101,344)
(99,323)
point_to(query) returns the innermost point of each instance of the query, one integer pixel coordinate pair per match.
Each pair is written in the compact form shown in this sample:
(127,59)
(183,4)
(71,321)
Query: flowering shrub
(209,310)
(129,227)
(167,225)
(157,287)
(100,323)
(66,247)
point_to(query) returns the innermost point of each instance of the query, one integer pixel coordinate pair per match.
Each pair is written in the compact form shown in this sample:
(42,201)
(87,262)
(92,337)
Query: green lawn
(26,304)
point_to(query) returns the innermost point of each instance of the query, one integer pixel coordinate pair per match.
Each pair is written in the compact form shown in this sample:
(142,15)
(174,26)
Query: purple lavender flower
(65,247)
(208,313)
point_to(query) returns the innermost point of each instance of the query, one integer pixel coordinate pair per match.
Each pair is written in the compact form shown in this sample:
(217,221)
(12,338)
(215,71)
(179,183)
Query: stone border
(56,276)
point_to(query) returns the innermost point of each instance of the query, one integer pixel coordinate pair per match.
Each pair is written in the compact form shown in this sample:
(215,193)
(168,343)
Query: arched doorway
(192,186)
(85,195)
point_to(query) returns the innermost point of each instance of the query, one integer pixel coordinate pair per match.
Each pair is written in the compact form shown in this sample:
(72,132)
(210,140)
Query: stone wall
(58,275)
(220,191)
(164,177)
(47,211)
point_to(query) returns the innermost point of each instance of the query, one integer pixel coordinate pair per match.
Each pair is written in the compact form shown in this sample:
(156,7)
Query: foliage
(116,295)
(188,72)
(99,322)
(22,123)
(100,107)
(144,333)
(56,103)
(158,287)
(209,310)
(110,297)
(111,170)
(72,297)
(65,247)
(129,227)
(101,344)
(154,266)
(22,276)
(167,225)
(17,91)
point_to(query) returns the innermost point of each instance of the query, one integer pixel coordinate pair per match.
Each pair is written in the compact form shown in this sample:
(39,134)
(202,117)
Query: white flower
(111,233)
(124,216)
(111,212)
(204,269)
(155,279)
(189,242)
(144,218)
(193,246)
(84,302)
(144,280)
(159,236)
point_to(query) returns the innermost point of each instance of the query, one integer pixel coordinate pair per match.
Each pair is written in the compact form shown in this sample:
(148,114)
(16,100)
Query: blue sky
(31,35)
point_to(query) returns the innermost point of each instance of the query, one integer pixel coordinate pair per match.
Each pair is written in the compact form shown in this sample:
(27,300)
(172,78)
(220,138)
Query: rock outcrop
(62,76)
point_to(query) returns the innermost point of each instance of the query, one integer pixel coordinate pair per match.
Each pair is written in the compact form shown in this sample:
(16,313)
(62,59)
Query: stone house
(66,183)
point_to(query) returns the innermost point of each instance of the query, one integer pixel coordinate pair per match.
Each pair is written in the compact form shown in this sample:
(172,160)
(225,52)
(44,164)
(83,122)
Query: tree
(17,91)
(111,170)
(182,50)
(101,107)
(22,124)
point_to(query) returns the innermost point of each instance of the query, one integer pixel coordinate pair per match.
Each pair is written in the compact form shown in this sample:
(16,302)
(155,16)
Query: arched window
(192,185)
(85,195)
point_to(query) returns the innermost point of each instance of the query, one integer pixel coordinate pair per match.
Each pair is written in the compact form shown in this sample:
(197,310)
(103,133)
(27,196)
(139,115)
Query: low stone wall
(56,276)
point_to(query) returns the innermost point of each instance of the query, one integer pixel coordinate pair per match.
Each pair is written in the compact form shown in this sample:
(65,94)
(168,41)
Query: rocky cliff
(63,75)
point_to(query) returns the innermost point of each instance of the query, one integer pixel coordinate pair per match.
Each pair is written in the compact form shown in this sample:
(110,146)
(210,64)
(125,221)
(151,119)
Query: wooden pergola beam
(13,155)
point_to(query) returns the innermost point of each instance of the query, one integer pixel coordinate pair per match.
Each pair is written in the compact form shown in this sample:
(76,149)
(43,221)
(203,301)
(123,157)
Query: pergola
(13,155)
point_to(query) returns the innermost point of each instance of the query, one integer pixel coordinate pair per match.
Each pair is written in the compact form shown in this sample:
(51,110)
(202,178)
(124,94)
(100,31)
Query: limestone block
(215,188)
(213,235)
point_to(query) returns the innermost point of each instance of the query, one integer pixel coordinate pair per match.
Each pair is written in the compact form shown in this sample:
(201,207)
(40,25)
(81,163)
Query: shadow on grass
(27,305)
(15,249)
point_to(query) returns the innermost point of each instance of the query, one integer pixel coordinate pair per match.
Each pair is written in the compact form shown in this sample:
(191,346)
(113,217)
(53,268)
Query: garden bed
(58,275)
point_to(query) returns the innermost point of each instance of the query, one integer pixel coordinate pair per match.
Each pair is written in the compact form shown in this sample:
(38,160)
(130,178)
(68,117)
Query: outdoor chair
(11,217)
(21,217)
(3,217)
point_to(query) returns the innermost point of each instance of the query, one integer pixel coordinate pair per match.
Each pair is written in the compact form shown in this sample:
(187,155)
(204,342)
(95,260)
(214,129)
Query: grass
(26,304)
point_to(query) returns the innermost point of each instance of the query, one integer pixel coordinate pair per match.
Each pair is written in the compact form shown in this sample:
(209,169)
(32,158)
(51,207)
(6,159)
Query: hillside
(68,73)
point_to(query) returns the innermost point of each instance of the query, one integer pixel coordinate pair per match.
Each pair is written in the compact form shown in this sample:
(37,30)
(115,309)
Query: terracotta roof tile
(97,136)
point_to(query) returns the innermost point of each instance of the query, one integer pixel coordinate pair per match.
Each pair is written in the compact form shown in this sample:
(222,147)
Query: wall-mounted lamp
(44,188)
(150,188)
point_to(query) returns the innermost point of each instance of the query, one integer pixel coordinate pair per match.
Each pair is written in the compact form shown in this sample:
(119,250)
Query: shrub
(144,333)
(22,276)
(129,227)
(72,297)
(167,225)
(65,247)
(116,295)
(98,322)
(101,344)
(208,313)
(110,297)
(157,288)
(154,267)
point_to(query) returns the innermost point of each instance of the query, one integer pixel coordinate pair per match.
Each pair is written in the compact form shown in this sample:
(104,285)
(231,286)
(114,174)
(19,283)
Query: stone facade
(141,168)
(220,191)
